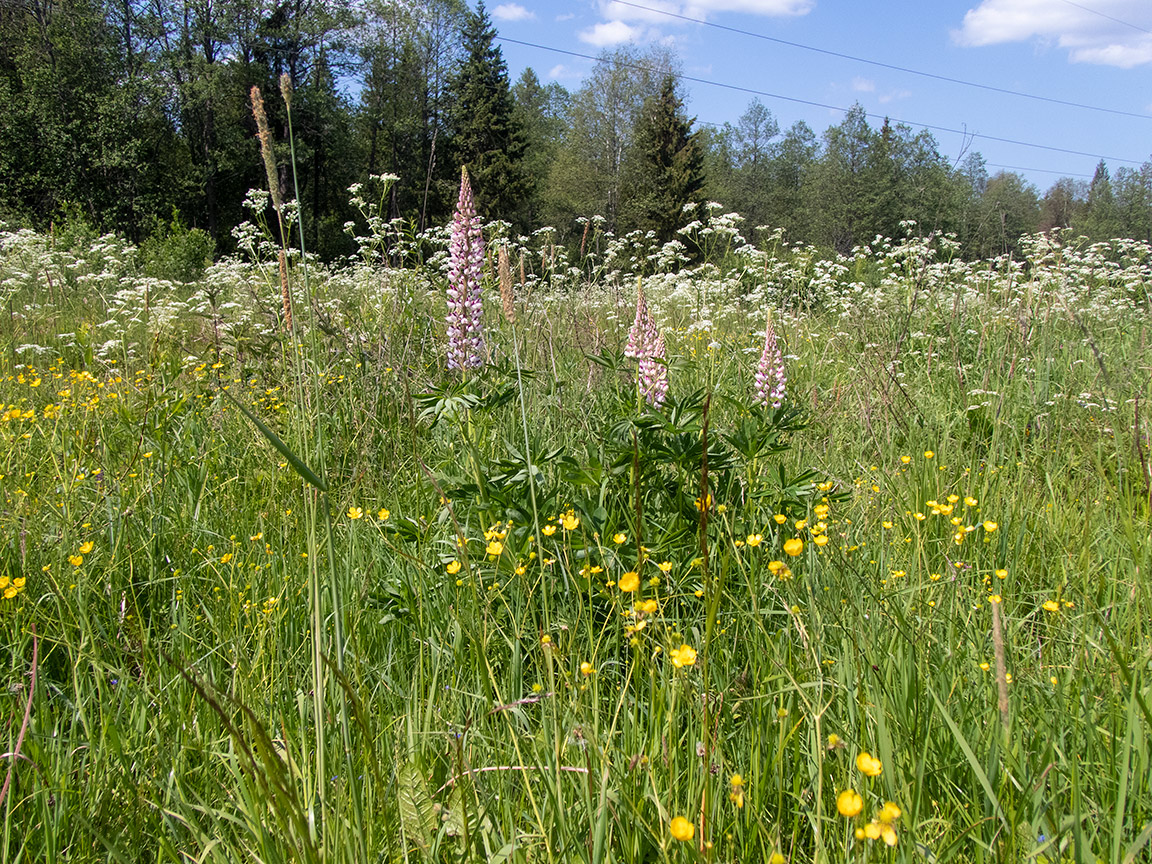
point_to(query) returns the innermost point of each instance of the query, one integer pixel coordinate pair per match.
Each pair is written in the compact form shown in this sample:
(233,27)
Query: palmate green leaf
(295,461)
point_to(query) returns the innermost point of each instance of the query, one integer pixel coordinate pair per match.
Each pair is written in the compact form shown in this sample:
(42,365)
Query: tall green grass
(249,663)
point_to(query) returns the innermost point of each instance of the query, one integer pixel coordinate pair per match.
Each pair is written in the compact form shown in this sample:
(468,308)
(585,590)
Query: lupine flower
(770,378)
(647,345)
(465,268)
(654,373)
(642,336)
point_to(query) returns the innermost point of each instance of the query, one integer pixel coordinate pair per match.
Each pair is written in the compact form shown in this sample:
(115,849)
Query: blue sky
(1095,52)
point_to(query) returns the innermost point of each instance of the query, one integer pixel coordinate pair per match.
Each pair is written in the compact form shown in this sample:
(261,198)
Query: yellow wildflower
(685,655)
(849,803)
(868,765)
(682,829)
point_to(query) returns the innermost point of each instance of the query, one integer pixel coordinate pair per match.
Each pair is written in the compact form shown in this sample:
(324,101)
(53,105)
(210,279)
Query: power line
(1038,170)
(1103,15)
(716,125)
(905,69)
(794,99)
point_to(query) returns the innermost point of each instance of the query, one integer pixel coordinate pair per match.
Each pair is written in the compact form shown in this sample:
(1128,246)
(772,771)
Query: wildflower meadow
(478,547)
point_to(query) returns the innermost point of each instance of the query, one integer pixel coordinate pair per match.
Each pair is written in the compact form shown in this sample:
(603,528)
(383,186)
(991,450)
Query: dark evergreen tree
(487,134)
(665,168)
(542,112)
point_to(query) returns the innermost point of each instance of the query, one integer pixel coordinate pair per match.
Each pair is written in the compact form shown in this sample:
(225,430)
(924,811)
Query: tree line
(134,116)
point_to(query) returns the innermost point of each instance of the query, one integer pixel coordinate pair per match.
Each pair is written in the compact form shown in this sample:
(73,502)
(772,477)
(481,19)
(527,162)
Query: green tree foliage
(542,111)
(1100,219)
(1062,204)
(1008,208)
(81,130)
(665,165)
(487,134)
(134,115)
(407,54)
(587,177)
(1134,201)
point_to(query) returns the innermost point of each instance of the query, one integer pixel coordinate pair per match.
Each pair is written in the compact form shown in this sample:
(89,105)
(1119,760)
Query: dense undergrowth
(304,595)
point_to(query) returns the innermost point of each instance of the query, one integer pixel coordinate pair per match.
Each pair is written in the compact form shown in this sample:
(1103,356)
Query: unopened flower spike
(465,269)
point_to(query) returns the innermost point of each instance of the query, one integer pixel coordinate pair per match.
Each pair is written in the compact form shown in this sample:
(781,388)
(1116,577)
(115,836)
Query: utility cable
(1103,15)
(794,99)
(892,66)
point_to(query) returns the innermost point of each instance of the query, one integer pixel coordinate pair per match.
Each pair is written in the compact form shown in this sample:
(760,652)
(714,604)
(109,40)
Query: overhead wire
(892,66)
(794,99)
(1103,15)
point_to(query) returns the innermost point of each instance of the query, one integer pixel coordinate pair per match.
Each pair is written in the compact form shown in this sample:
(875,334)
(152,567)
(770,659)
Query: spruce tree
(666,168)
(487,135)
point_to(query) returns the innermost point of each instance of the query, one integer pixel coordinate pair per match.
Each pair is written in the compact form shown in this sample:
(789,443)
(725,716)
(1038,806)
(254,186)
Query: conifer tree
(487,135)
(667,164)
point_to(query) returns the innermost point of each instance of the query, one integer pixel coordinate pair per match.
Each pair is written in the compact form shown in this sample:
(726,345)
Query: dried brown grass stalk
(505,271)
(264,133)
(1001,668)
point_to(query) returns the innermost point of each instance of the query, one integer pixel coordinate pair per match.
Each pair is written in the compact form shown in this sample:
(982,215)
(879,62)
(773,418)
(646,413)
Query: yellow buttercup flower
(495,548)
(889,813)
(849,803)
(382,514)
(570,521)
(619,537)
(682,829)
(87,547)
(355,513)
(75,560)
(685,655)
(868,765)
(822,540)
(928,454)
(665,566)
(990,526)
(549,530)
(630,581)
(453,567)
(794,546)
(1051,606)
(755,539)
(779,518)
(586,669)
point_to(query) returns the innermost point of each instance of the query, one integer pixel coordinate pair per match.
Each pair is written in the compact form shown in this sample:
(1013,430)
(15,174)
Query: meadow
(301,592)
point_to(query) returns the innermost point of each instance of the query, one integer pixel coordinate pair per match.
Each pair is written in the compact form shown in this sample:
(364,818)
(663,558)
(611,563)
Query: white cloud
(566,16)
(863,85)
(885,98)
(701,8)
(1102,38)
(768,8)
(608,33)
(557,71)
(512,12)
(627,23)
